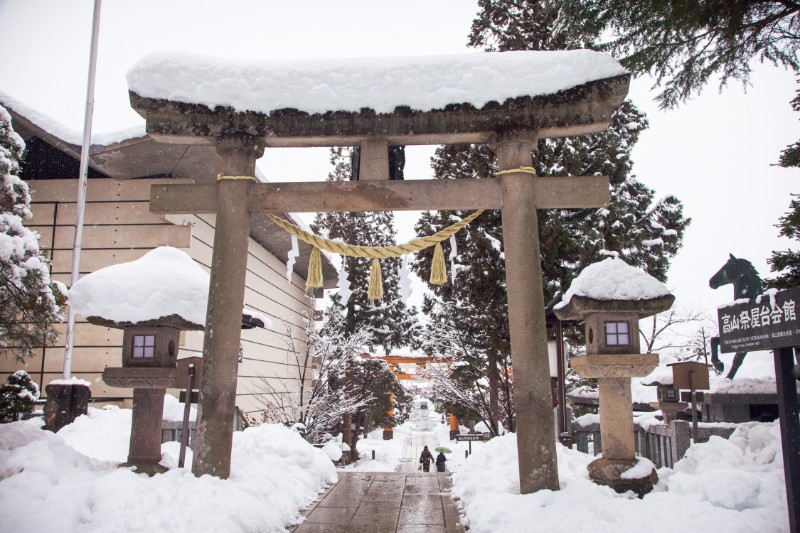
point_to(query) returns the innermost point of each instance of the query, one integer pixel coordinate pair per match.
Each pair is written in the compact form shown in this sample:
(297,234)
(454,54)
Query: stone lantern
(152,299)
(149,367)
(611,297)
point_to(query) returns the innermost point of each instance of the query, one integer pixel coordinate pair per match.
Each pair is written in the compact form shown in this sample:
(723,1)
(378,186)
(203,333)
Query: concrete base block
(609,472)
(64,404)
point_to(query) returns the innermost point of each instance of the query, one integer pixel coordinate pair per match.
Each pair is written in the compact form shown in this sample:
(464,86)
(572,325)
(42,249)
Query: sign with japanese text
(766,322)
(473,437)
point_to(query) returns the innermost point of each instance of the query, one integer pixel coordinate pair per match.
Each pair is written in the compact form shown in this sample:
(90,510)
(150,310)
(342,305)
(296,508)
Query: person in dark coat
(440,460)
(426,458)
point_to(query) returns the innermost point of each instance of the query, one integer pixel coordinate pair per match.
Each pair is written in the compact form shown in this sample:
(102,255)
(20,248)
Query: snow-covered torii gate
(509,100)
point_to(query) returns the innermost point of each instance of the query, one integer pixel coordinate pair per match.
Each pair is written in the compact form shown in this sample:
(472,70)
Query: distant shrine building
(119,228)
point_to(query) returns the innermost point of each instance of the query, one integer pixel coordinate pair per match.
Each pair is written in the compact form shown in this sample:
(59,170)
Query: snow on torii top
(164,282)
(382,84)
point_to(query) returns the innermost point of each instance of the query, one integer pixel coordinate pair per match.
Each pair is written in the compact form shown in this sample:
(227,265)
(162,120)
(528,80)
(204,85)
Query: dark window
(617,334)
(143,346)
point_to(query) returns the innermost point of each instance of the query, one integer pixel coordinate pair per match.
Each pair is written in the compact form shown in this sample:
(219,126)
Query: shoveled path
(385,502)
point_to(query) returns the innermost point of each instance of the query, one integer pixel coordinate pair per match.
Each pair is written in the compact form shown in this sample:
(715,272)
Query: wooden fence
(664,445)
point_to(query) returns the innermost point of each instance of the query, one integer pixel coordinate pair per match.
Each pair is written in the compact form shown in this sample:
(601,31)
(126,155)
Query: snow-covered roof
(422,83)
(164,282)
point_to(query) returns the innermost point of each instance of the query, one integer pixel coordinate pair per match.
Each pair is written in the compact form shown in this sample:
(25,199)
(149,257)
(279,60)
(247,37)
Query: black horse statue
(746,284)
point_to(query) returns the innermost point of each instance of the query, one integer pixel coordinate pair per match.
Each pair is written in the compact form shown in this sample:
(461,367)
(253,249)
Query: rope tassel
(375,291)
(314,269)
(438,271)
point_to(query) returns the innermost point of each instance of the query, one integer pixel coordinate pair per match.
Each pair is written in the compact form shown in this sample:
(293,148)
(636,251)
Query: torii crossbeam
(508,100)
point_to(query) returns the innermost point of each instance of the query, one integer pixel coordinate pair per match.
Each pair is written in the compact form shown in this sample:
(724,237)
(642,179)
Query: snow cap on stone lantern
(152,299)
(611,296)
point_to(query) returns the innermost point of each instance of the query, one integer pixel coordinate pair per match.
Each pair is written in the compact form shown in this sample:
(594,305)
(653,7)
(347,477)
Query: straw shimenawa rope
(373,252)
(438,271)
(375,292)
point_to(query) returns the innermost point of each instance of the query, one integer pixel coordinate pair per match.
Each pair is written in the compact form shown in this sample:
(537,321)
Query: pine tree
(642,231)
(787,263)
(686,43)
(388,322)
(17,397)
(29,300)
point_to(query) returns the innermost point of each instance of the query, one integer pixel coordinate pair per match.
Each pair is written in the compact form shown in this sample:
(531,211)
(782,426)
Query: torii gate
(512,127)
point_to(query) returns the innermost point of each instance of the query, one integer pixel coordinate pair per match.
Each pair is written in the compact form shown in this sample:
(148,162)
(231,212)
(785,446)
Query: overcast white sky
(715,153)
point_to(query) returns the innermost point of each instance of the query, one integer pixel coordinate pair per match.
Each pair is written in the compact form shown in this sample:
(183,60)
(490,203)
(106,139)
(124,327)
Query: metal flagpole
(82,179)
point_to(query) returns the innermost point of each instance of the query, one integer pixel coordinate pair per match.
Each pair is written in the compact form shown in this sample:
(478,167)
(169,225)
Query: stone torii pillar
(538,467)
(212,454)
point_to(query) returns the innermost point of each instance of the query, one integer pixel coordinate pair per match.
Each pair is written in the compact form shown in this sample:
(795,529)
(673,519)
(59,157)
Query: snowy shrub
(17,397)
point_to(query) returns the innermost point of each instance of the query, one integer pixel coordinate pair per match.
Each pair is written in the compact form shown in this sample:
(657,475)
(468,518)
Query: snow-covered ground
(70,481)
(425,427)
(733,485)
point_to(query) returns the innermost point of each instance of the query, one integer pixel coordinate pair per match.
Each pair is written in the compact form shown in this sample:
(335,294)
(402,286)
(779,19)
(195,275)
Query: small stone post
(66,401)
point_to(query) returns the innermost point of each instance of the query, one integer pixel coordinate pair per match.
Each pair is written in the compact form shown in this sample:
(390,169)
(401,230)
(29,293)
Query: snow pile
(744,385)
(744,472)
(614,279)
(380,83)
(722,485)
(46,484)
(332,450)
(164,282)
(173,409)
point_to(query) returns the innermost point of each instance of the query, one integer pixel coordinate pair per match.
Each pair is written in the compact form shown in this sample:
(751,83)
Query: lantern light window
(143,346)
(617,334)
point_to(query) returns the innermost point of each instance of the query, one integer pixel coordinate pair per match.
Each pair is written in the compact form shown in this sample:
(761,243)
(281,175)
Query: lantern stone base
(615,366)
(669,410)
(154,377)
(609,472)
(149,386)
(64,404)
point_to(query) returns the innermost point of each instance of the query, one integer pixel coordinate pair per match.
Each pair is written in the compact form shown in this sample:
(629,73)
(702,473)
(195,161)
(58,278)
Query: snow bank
(47,483)
(614,279)
(164,282)
(722,485)
(379,83)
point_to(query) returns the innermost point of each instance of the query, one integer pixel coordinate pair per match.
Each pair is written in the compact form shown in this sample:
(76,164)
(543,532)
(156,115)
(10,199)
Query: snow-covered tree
(388,322)
(644,231)
(17,397)
(465,388)
(372,380)
(319,395)
(30,302)
(673,329)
